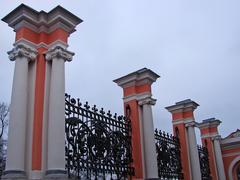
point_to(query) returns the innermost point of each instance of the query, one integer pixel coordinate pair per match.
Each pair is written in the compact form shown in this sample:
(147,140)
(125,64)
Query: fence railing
(204,163)
(168,156)
(98,144)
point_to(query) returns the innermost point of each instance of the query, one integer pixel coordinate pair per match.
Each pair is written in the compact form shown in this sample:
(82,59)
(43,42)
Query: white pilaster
(15,165)
(193,151)
(149,147)
(56,121)
(218,157)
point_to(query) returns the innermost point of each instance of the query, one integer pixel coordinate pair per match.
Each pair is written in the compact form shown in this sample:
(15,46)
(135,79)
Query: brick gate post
(183,126)
(210,139)
(36,143)
(137,95)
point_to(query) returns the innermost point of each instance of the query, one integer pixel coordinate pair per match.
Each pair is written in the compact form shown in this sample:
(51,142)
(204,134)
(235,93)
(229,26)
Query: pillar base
(56,174)
(14,174)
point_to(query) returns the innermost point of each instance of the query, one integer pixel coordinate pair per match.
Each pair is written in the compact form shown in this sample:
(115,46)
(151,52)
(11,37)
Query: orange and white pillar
(210,139)
(36,143)
(137,95)
(183,126)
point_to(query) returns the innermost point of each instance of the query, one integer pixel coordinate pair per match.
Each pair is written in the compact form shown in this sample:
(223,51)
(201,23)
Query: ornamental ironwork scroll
(204,163)
(168,156)
(98,144)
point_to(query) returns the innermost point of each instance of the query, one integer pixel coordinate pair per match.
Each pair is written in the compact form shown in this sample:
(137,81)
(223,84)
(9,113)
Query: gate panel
(204,163)
(168,156)
(98,144)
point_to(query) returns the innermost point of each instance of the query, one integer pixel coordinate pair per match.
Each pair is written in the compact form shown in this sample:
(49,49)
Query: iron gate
(168,156)
(204,163)
(98,144)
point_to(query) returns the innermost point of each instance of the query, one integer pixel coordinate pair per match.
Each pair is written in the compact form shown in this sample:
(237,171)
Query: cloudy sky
(193,45)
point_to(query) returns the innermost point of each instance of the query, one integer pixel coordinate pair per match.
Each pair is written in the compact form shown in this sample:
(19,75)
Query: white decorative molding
(57,18)
(209,135)
(209,124)
(236,134)
(26,42)
(137,96)
(231,154)
(231,166)
(182,120)
(137,78)
(22,51)
(217,138)
(59,52)
(147,100)
(190,124)
(183,106)
(57,43)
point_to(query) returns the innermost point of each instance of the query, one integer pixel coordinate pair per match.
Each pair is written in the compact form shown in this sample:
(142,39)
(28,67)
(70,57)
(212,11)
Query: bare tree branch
(4,111)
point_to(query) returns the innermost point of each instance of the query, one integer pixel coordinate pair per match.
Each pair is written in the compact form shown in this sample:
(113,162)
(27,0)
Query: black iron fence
(98,144)
(204,163)
(3,154)
(168,156)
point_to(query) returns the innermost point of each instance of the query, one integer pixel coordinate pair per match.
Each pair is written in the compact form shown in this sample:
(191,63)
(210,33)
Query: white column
(218,157)
(56,121)
(149,147)
(193,151)
(15,165)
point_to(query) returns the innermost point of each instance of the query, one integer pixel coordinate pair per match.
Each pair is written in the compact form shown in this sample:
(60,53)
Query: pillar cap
(41,21)
(209,123)
(140,77)
(183,106)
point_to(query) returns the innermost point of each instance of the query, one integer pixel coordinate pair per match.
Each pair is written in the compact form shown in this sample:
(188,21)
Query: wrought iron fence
(98,144)
(204,163)
(168,156)
(3,150)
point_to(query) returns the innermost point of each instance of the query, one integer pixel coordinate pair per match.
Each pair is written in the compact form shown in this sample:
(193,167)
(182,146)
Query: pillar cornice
(209,123)
(59,52)
(140,77)
(42,21)
(183,106)
(22,51)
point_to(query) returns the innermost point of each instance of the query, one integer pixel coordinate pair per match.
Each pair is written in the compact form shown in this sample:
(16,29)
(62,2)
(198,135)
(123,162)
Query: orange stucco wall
(136,139)
(209,130)
(26,33)
(211,156)
(38,111)
(136,89)
(184,149)
(135,121)
(228,156)
(182,115)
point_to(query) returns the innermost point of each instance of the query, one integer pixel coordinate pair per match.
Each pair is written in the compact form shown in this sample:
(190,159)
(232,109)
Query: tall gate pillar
(36,143)
(138,98)
(183,127)
(210,139)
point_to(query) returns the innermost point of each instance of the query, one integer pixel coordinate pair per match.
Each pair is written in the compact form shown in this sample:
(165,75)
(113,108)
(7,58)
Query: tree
(4,112)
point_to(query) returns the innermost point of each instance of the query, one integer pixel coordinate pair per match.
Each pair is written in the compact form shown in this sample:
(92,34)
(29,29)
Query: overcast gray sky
(193,45)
